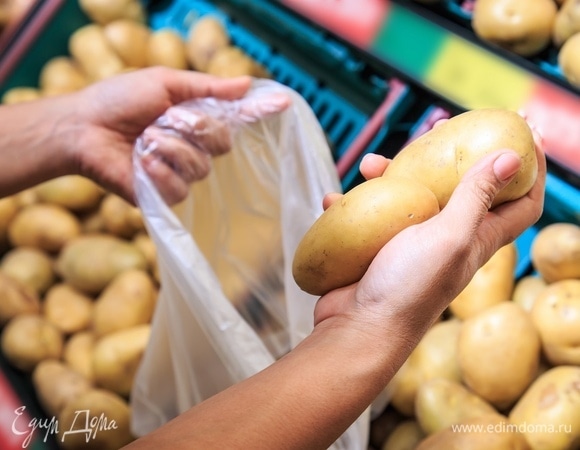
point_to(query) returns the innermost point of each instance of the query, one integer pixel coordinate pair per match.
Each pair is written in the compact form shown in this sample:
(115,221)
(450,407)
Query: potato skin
(340,245)
(440,157)
(555,252)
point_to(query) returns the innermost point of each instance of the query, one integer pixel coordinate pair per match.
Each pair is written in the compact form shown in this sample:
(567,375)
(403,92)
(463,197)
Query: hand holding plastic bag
(228,305)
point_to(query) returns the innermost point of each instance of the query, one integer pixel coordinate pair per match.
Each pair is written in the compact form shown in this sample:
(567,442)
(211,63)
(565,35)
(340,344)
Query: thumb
(474,195)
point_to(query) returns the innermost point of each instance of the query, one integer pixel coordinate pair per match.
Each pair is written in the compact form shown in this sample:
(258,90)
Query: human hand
(423,268)
(116,111)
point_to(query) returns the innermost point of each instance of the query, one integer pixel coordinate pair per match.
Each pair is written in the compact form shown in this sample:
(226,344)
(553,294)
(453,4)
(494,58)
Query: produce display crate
(364,102)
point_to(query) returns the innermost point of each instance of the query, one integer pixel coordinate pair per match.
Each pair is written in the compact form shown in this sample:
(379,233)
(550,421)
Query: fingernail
(506,166)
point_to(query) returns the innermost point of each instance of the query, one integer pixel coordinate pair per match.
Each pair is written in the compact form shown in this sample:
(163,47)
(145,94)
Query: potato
(128,300)
(67,308)
(405,436)
(116,358)
(166,48)
(129,39)
(28,339)
(30,266)
(568,58)
(556,315)
(526,291)
(45,226)
(230,62)
(61,75)
(105,11)
(121,218)
(8,209)
(548,411)
(73,192)
(90,262)
(78,353)
(434,357)
(441,403)
(144,243)
(490,431)
(20,94)
(89,47)
(16,299)
(340,245)
(567,22)
(56,384)
(555,252)
(205,36)
(520,26)
(499,353)
(493,283)
(95,420)
(26,197)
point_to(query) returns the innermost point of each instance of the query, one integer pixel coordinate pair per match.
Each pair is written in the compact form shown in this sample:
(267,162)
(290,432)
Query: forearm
(35,142)
(305,400)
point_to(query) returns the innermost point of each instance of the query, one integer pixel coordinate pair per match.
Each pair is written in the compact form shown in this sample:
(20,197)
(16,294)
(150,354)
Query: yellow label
(473,77)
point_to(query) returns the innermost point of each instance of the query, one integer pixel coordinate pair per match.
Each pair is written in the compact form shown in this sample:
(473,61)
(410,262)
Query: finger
(171,187)
(474,195)
(187,161)
(186,84)
(254,108)
(201,130)
(329,199)
(373,165)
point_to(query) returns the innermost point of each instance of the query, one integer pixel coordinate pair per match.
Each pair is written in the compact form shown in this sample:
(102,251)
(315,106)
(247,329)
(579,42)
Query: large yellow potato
(568,59)
(548,411)
(487,432)
(30,266)
(105,11)
(555,252)
(231,61)
(166,48)
(61,75)
(56,384)
(340,245)
(16,299)
(206,36)
(567,22)
(78,353)
(108,416)
(90,48)
(28,339)
(129,40)
(116,358)
(521,26)
(8,209)
(526,291)
(67,308)
(45,226)
(556,315)
(499,353)
(441,403)
(492,284)
(90,262)
(20,94)
(128,300)
(434,357)
(73,192)
(405,436)
(439,158)
(121,218)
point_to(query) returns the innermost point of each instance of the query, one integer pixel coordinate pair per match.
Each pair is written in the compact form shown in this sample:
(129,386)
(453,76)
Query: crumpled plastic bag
(228,305)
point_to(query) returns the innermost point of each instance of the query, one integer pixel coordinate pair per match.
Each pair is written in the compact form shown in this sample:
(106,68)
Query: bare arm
(365,331)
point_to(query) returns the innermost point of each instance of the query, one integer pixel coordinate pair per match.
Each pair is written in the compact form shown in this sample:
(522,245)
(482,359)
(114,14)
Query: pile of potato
(118,40)
(505,357)
(79,284)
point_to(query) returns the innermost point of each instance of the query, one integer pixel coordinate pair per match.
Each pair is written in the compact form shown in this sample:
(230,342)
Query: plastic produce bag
(228,305)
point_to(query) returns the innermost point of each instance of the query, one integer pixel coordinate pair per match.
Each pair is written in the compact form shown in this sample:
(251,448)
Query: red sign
(357,21)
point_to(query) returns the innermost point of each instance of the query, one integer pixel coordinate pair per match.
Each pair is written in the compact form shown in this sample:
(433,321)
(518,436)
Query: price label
(354,20)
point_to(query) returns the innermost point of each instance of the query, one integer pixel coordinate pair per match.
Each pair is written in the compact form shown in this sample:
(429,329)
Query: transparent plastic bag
(228,305)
